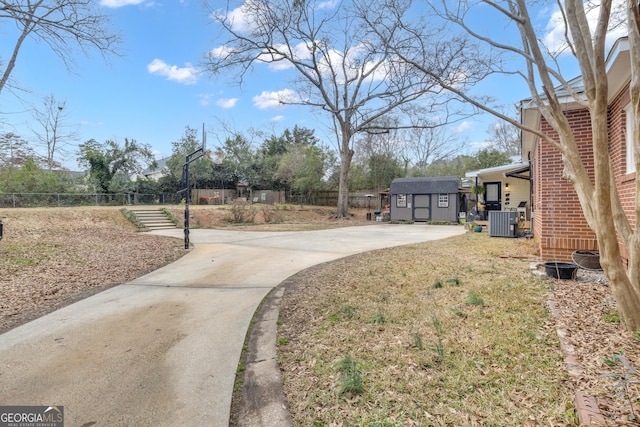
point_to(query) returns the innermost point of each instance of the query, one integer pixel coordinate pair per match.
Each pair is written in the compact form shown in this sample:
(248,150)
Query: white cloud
(186,75)
(89,123)
(328,4)
(277,118)
(481,144)
(119,3)
(227,102)
(465,126)
(270,100)
(554,38)
(299,52)
(240,18)
(205,99)
(220,52)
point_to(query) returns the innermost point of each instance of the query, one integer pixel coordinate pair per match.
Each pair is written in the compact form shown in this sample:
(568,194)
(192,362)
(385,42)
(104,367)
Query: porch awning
(517,173)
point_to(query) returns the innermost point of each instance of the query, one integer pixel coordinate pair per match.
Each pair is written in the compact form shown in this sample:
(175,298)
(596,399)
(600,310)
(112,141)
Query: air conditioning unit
(502,223)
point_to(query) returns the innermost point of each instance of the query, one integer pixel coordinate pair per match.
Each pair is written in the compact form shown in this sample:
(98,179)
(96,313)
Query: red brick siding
(559,225)
(618,145)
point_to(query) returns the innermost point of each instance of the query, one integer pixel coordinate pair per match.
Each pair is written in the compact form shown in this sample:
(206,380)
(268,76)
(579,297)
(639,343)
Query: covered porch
(506,188)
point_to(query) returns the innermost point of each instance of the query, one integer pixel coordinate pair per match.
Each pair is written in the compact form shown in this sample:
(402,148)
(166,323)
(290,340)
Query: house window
(401,201)
(631,164)
(443,200)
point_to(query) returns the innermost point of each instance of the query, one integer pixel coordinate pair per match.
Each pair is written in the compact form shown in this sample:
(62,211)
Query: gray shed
(424,199)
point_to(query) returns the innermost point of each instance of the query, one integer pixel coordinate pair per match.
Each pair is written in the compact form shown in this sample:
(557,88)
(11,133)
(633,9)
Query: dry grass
(52,257)
(442,333)
(279,217)
(466,339)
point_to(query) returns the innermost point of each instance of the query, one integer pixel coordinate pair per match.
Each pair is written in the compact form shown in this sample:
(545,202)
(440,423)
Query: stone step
(153,219)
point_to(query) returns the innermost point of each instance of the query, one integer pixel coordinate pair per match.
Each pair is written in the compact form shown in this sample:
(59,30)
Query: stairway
(153,218)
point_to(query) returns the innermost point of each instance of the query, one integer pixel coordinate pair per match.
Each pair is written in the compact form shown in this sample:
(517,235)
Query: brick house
(559,225)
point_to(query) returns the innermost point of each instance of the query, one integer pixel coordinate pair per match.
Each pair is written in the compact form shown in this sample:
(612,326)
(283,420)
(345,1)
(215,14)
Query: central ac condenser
(502,223)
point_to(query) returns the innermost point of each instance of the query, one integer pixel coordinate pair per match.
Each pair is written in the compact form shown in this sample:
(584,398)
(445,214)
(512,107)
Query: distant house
(155,173)
(558,222)
(424,199)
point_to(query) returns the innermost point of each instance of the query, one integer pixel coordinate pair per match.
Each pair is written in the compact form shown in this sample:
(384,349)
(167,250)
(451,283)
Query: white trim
(442,202)
(503,168)
(630,163)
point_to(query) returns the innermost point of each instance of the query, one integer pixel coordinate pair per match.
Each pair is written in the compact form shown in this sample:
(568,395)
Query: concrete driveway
(162,350)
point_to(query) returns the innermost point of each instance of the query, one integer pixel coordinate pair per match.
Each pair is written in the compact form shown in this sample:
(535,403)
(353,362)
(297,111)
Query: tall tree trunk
(342,210)
(623,285)
(346,154)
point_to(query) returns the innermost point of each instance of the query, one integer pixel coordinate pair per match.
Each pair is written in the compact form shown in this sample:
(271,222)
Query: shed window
(631,164)
(401,201)
(443,200)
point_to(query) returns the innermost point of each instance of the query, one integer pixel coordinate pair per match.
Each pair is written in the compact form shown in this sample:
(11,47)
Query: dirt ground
(50,258)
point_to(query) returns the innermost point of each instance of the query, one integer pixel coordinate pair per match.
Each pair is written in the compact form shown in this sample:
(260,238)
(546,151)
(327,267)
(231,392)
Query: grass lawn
(447,333)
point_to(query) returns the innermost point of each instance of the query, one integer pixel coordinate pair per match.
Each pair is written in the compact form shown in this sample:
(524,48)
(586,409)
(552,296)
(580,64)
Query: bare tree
(505,136)
(539,66)
(54,132)
(63,25)
(430,144)
(340,66)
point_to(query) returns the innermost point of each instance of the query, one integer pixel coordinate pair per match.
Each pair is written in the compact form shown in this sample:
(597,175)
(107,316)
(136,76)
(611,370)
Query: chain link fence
(32,200)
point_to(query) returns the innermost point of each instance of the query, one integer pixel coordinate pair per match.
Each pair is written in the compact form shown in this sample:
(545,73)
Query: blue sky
(154,91)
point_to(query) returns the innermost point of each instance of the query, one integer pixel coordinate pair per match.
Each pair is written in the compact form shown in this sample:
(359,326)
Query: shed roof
(425,185)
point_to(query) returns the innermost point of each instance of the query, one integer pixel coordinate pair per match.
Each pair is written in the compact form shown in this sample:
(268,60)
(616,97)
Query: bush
(241,212)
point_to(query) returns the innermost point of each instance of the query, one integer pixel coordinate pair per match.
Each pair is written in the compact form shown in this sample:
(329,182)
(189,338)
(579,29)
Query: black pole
(185,170)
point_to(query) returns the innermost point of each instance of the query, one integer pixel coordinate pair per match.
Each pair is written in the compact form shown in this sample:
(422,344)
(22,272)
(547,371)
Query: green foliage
(303,168)
(458,312)
(613,317)
(347,311)
(378,318)
(474,299)
(111,164)
(32,178)
(15,151)
(454,281)
(350,376)
(417,341)
(199,170)
(283,341)
(438,345)
(133,218)
(626,379)
(171,216)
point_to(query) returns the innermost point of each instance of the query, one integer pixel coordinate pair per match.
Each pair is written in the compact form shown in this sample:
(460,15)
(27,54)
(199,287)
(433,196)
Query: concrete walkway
(162,350)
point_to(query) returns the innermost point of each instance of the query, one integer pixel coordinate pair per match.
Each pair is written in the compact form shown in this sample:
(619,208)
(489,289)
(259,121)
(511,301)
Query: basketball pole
(191,157)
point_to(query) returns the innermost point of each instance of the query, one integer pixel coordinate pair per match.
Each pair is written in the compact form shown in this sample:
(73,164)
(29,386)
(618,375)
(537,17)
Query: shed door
(421,207)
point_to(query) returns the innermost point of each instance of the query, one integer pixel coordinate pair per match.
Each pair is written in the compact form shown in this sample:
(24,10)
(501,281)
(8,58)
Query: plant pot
(477,228)
(589,260)
(561,270)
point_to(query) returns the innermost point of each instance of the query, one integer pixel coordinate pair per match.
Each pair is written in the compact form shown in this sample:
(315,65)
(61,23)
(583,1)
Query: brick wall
(617,141)
(559,224)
